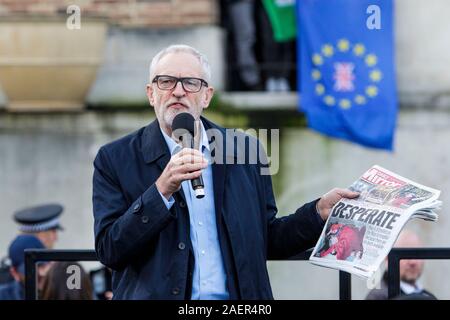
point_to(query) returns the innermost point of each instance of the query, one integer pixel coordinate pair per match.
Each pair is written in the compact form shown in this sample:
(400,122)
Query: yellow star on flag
(320,89)
(345,103)
(375,75)
(371,60)
(327,50)
(343,45)
(360,99)
(359,49)
(329,100)
(317,59)
(316,75)
(371,91)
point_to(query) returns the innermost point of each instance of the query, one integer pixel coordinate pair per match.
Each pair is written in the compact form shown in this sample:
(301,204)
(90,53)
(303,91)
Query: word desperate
(380,218)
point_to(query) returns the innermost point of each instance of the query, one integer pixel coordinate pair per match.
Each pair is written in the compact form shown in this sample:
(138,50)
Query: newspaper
(359,233)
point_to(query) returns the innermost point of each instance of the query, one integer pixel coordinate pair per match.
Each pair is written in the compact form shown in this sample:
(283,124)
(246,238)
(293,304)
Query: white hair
(182,48)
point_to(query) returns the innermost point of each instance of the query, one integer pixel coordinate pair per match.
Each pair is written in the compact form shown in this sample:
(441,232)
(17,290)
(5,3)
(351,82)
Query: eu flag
(346,74)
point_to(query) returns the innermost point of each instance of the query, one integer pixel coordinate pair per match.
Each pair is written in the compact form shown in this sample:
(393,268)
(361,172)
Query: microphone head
(183,122)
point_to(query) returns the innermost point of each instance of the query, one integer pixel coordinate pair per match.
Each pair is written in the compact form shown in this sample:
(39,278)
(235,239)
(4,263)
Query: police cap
(39,218)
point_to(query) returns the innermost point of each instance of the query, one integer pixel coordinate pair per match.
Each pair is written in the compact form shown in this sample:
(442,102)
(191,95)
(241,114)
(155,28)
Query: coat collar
(153,146)
(154,149)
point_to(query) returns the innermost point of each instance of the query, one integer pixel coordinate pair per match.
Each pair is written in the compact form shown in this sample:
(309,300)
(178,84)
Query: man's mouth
(177,105)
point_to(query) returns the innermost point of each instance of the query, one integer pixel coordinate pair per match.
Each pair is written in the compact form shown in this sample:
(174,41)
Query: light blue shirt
(209,277)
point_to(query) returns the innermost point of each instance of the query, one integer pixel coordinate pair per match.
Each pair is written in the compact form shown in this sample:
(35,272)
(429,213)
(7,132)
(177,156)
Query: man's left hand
(332,197)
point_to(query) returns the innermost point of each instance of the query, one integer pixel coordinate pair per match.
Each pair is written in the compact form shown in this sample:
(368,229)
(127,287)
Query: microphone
(183,128)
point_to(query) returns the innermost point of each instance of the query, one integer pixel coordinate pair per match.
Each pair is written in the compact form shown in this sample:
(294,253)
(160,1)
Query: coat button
(181,246)
(182,204)
(144,219)
(175,291)
(136,207)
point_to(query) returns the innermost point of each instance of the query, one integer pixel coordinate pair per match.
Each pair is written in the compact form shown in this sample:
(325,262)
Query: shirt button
(181,246)
(144,219)
(204,282)
(200,223)
(203,252)
(182,204)
(175,291)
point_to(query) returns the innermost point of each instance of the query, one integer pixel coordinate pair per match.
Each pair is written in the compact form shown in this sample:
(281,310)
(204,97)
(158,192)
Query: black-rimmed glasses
(189,84)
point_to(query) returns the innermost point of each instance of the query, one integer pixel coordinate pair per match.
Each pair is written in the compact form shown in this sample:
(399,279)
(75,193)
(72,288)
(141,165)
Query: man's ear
(208,97)
(149,89)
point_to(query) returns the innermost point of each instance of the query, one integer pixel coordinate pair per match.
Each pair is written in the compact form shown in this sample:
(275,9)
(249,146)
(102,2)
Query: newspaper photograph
(359,233)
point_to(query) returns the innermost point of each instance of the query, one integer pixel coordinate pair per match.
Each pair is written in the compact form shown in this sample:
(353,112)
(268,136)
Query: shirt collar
(175,147)
(409,288)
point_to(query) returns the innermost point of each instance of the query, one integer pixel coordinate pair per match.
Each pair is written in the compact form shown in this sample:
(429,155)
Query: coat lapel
(154,148)
(218,170)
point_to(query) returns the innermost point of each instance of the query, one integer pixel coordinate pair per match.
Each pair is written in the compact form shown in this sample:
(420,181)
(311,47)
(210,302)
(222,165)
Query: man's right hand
(185,165)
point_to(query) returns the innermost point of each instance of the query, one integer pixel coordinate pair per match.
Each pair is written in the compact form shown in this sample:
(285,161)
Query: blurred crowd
(38,228)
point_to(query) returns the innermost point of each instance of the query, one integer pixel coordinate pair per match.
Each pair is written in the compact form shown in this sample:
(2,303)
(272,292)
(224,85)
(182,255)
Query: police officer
(41,221)
(14,290)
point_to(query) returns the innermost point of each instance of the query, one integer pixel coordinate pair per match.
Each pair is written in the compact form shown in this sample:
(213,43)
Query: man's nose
(179,91)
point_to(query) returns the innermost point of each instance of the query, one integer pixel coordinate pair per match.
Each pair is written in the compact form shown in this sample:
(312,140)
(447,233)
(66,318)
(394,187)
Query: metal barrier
(32,256)
(398,254)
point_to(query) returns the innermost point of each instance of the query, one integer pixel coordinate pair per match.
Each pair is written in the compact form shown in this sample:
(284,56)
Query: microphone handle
(197,183)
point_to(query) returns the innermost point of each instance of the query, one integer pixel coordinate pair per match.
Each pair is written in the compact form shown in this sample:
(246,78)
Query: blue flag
(346,73)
